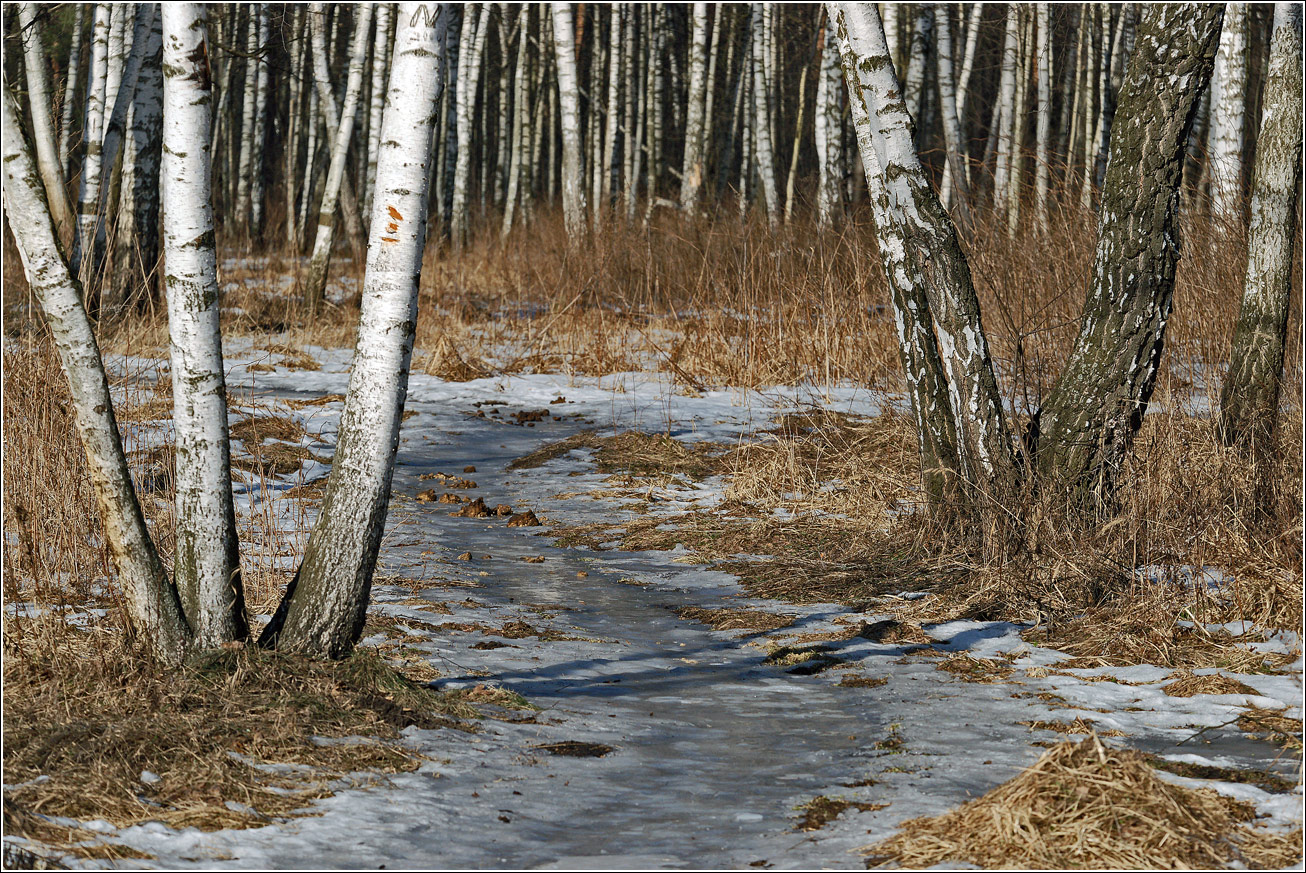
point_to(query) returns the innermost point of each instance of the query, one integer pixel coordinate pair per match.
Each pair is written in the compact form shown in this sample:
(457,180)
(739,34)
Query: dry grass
(1086,805)
(90,715)
(736,619)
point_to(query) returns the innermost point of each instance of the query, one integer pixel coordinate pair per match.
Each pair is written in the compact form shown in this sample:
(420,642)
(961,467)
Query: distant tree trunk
(320,260)
(38,100)
(922,36)
(248,108)
(573,188)
(1044,132)
(828,128)
(1088,421)
(1228,104)
(475,29)
(380,74)
(957,171)
(968,63)
(207,569)
(70,91)
(1249,398)
(325,605)
(150,599)
(520,114)
(762,143)
(1006,110)
(136,278)
(260,125)
(691,172)
(932,257)
(294,128)
(88,196)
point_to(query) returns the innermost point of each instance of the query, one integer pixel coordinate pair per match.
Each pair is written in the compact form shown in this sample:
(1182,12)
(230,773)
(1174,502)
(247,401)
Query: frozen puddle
(712,750)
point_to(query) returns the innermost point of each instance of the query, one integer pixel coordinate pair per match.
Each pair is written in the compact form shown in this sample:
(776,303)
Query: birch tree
(1249,398)
(324,242)
(573,187)
(1228,102)
(762,143)
(38,101)
(691,172)
(931,257)
(475,28)
(207,569)
(70,89)
(828,127)
(326,603)
(151,603)
(88,192)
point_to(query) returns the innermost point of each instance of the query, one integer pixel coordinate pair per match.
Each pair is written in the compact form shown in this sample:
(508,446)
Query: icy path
(713,750)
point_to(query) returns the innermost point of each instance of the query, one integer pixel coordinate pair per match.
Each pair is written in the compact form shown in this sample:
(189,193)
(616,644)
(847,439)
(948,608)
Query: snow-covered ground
(713,750)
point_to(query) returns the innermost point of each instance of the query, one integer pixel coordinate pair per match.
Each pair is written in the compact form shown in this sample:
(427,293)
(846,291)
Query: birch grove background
(606,111)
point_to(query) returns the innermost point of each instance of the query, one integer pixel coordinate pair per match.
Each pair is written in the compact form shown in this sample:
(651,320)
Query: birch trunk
(38,101)
(260,125)
(150,599)
(70,91)
(248,107)
(828,128)
(207,569)
(1249,398)
(1044,132)
(917,349)
(380,69)
(320,260)
(957,175)
(691,172)
(917,59)
(932,257)
(137,259)
(1088,421)
(1228,104)
(519,126)
(1006,110)
(325,605)
(88,196)
(762,143)
(573,188)
(475,28)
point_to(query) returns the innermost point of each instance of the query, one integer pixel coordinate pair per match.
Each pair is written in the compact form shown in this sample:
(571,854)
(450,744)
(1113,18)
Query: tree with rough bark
(573,186)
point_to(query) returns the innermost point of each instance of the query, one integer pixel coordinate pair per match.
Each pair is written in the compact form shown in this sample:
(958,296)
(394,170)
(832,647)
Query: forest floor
(660,713)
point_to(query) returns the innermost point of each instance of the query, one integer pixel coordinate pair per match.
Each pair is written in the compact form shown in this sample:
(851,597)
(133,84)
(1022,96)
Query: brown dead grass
(1086,805)
(736,619)
(85,710)
(1191,685)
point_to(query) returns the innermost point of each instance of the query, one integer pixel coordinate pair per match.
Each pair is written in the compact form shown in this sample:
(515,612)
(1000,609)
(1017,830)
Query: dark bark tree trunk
(1088,421)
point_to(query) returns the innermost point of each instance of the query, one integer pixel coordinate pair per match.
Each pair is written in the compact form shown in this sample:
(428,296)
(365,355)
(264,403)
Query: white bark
(207,569)
(573,189)
(150,599)
(691,171)
(248,108)
(828,128)
(323,612)
(968,62)
(1006,109)
(956,175)
(762,143)
(518,127)
(921,37)
(1044,132)
(70,89)
(38,101)
(934,255)
(324,242)
(88,192)
(260,125)
(1228,102)
(475,30)
(380,78)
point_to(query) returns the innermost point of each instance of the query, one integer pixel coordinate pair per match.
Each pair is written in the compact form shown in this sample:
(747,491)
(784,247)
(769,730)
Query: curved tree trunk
(933,258)
(38,98)
(1092,413)
(151,601)
(1249,398)
(325,606)
(927,387)
(207,569)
